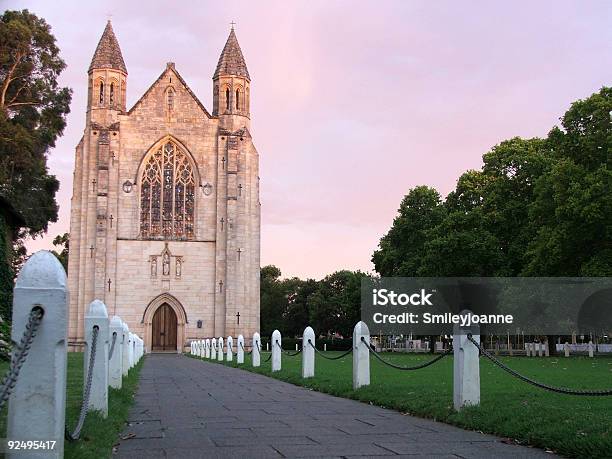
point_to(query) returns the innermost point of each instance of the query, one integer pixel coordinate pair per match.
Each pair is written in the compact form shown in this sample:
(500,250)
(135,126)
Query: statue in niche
(166,264)
(179,266)
(153,266)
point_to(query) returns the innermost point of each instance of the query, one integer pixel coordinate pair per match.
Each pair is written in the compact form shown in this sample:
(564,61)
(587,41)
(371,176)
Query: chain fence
(338,357)
(559,390)
(245,351)
(21,353)
(289,354)
(112,348)
(259,350)
(400,367)
(73,436)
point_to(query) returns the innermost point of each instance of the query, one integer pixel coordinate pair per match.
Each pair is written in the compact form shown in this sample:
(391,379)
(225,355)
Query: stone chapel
(165,217)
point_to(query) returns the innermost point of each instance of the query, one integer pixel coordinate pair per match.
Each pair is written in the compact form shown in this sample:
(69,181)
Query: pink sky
(353,103)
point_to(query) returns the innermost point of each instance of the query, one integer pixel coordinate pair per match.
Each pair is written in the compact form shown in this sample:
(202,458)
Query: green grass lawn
(573,426)
(98,434)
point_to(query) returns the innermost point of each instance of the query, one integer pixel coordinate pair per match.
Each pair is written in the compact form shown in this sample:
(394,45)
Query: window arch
(101,92)
(227,99)
(237,99)
(167,200)
(111,94)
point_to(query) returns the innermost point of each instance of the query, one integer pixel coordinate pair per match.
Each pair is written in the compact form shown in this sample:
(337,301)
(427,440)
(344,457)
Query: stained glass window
(167,195)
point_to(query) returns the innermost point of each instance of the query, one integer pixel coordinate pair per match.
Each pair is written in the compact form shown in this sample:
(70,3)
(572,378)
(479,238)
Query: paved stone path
(187,408)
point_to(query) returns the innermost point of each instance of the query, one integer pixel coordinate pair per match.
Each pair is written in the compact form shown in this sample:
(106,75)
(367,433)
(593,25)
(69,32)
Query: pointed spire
(231,61)
(108,53)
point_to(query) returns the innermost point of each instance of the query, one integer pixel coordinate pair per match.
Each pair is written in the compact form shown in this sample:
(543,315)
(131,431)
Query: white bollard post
(140,348)
(591,349)
(267,346)
(199,346)
(220,349)
(296,347)
(276,350)
(361,355)
(125,344)
(97,316)
(466,367)
(213,349)
(37,404)
(207,348)
(325,347)
(230,351)
(191,348)
(566,349)
(135,349)
(131,349)
(308,353)
(240,350)
(256,346)
(115,374)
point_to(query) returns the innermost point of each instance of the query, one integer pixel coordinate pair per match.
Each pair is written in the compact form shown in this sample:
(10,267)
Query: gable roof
(108,53)
(170,67)
(231,61)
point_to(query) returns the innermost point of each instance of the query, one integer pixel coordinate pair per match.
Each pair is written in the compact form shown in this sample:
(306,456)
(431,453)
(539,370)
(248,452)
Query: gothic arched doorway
(164,329)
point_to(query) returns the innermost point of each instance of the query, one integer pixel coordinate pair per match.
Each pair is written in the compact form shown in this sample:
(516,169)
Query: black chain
(290,354)
(85,404)
(330,358)
(399,367)
(560,390)
(110,354)
(21,353)
(247,353)
(259,350)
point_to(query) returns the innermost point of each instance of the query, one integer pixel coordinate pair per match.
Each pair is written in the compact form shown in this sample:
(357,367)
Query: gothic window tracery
(227,99)
(237,99)
(167,201)
(111,94)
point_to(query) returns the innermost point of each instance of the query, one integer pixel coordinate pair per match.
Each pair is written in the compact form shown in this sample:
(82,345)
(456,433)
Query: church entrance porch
(164,321)
(164,329)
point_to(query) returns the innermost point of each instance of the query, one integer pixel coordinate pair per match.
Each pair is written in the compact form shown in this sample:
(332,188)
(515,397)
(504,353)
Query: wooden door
(164,329)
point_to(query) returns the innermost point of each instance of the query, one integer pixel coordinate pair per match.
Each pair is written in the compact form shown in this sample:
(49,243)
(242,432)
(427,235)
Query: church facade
(165,216)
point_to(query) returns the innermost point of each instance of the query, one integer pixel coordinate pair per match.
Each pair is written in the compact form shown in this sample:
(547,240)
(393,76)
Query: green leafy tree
(62,241)
(297,313)
(402,248)
(487,227)
(32,115)
(572,211)
(336,305)
(272,299)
